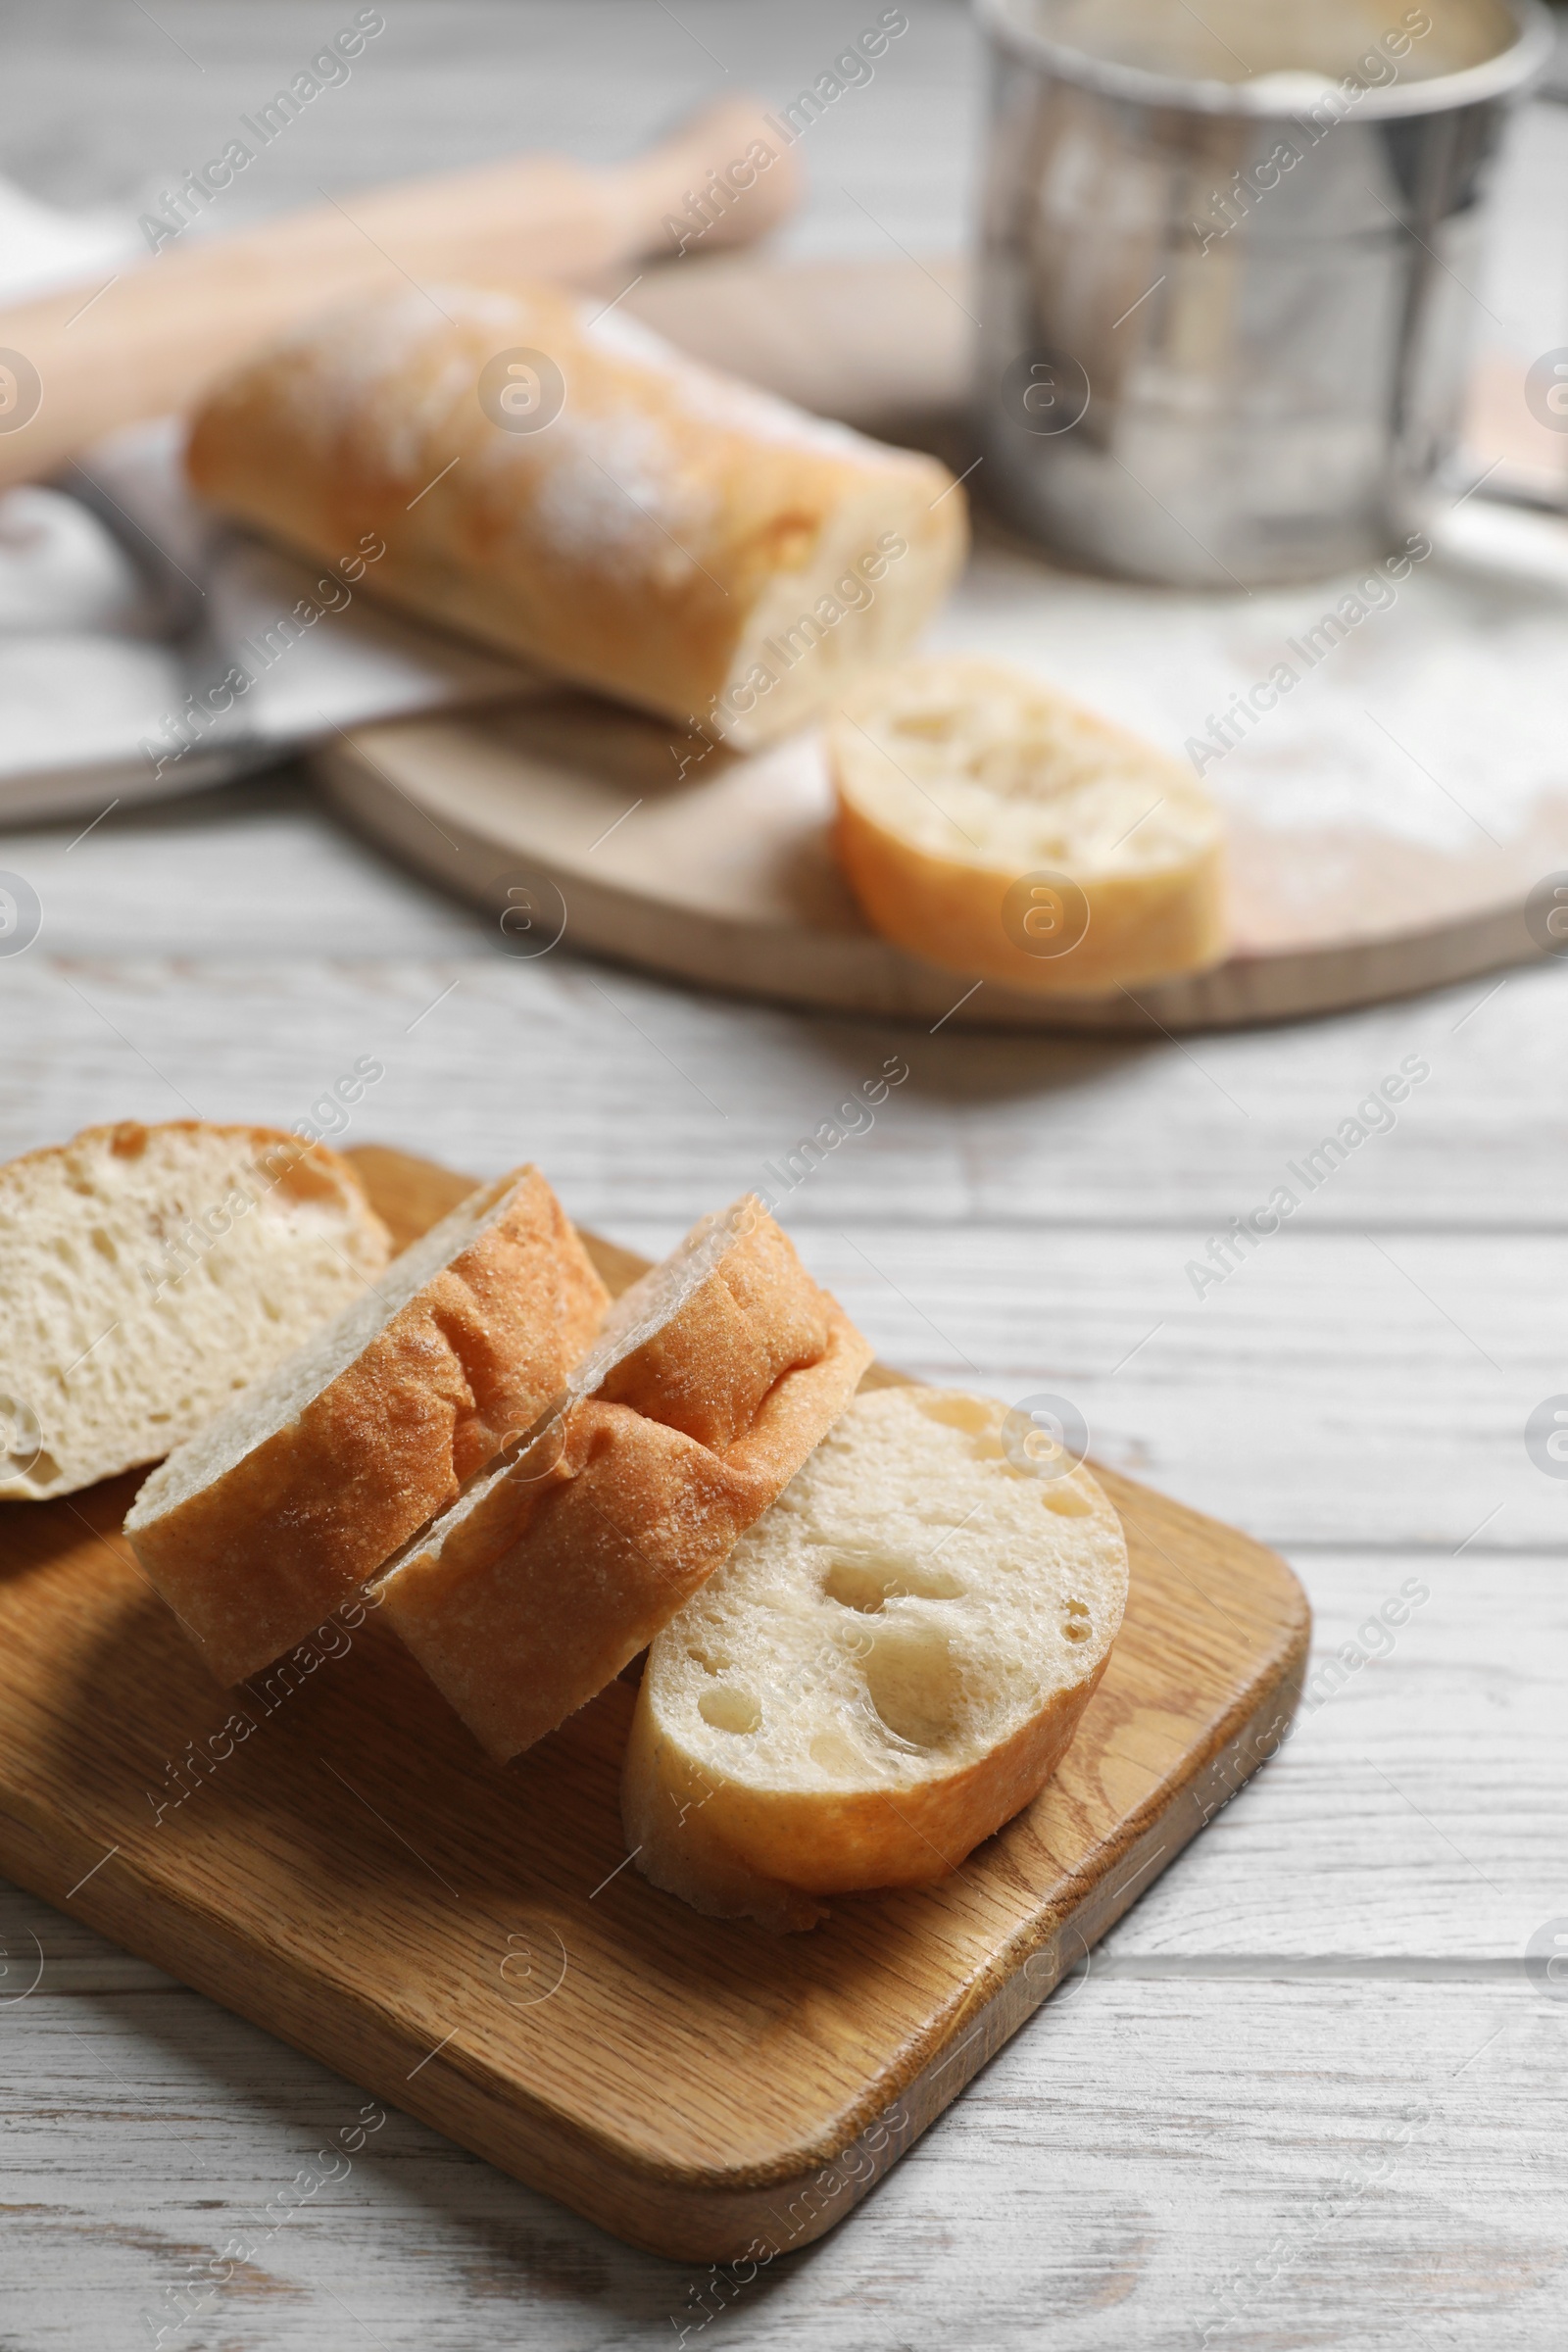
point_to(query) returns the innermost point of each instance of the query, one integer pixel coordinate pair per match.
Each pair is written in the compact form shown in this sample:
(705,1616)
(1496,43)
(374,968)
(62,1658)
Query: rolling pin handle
(725,178)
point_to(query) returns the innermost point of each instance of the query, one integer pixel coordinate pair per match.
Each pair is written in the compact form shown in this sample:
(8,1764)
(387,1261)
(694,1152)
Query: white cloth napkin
(128,617)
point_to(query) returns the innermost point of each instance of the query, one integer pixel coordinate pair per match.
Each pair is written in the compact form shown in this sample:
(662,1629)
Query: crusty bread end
(990,824)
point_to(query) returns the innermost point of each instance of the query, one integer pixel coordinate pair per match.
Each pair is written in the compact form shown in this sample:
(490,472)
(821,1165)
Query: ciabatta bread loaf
(889,1665)
(282,1508)
(713,1379)
(146,1273)
(990,824)
(570,489)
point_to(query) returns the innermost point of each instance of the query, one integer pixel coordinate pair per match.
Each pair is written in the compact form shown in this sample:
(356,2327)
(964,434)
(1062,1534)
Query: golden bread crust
(941,860)
(530,1601)
(676,1822)
(295,1165)
(628,544)
(708,1371)
(261,1554)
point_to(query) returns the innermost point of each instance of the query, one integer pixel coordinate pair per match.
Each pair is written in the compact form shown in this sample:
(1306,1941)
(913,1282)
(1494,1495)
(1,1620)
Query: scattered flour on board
(1438,719)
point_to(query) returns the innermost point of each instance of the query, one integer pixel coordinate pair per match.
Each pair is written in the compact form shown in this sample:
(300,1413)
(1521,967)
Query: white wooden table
(1310,2092)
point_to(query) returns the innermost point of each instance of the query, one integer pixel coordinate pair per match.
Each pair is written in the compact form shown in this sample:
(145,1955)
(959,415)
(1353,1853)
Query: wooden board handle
(158,334)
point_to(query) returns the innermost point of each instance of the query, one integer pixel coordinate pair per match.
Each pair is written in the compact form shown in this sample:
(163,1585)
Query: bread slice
(990,824)
(279,1510)
(889,1665)
(146,1273)
(542,471)
(716,1375)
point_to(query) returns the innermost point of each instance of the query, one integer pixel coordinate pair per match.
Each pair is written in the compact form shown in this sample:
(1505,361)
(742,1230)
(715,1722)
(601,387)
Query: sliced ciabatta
(284,1506)
(888,1666)
(991,824)
(716,1375)
(146,1273)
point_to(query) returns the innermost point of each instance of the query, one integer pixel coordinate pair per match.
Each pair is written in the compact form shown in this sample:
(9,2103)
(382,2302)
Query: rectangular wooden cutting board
(326,1851)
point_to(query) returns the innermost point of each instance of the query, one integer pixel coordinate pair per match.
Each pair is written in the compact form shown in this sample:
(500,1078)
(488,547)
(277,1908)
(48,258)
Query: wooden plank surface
(1263,2018)
(1059,2201)
(988,1131)
(698,2087)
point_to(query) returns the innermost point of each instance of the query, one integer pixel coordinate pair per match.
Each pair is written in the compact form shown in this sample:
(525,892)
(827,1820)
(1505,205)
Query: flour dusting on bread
(649,528)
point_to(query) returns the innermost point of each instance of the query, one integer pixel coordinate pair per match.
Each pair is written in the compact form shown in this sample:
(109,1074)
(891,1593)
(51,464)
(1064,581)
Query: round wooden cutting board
(1396,817)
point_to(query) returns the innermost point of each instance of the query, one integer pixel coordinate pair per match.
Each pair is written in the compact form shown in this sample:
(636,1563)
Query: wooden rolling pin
(160,331)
